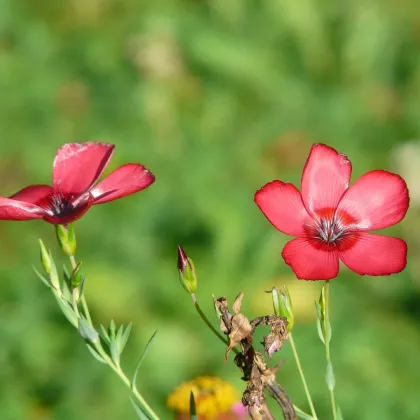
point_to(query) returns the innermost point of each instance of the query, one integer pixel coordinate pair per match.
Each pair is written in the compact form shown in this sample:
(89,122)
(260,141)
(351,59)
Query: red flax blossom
(76,168)
(331,221)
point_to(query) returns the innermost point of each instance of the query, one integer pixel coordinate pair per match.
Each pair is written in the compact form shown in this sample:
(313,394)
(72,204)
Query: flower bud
(322,302)
(77,281)
(45,257)
(77,277)
(186,269)
(324,326)
(67,239)
(282,305)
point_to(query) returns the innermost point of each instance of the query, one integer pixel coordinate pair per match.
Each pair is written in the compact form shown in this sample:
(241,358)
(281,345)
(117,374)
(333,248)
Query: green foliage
(193,412)
(216,98)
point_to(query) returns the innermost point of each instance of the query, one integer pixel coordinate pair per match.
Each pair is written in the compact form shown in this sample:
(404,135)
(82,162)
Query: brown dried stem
(252,363)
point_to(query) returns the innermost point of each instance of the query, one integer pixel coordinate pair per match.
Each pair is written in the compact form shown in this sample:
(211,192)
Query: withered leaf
(221,306)
(223,327)
(272,343)
(278,334)
(241,328)
(237,303)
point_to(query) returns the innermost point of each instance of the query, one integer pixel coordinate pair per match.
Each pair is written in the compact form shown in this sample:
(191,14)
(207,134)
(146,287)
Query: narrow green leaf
(193,412)
(318,310)
(319,328)
(139,411)
(133,382)
(54,279)
(329,377)
(67,311)
(66,274)
(124,337)
(45,257)
(328,331)
(119,336)
(95,354)
(303,415)
(115,353)
(66,291)
(105,334)
(111,329)
(41,277)
(339,414)
(87,332)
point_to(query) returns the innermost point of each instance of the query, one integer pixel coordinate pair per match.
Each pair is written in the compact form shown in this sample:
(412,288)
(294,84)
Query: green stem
(115,367)
(209,324)
(82,299)
(302,376)
(327,343)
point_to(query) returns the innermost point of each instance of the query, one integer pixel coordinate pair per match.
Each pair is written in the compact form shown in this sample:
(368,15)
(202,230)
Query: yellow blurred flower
(213,397)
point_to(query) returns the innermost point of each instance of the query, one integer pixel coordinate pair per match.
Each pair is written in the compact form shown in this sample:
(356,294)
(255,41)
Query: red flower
(331,221)
(76,168)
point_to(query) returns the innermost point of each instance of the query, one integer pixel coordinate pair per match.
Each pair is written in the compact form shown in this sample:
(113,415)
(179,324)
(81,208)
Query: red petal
(282,205)
(35,194)
(376,200)
(125,180)
(376,255)
(18,210)
(77,166)
(311,261)
(325,178)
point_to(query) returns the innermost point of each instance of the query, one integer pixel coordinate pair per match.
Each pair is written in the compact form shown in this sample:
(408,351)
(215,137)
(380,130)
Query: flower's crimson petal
(282,205)
(375,255)
(325,178)
(125,180)
(35,194)
(311,260)
(19,210)
(77,166)
(378,199)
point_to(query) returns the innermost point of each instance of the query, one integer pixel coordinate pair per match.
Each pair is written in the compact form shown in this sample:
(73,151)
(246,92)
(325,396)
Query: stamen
(329,229)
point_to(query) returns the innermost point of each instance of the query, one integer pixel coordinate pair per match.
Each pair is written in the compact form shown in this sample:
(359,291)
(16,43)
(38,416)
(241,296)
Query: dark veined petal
(282,205)
(35,194)
(378,199)
(311,260)
(325,178)
(77,166)
(11,209)
(375,255)
(125,180)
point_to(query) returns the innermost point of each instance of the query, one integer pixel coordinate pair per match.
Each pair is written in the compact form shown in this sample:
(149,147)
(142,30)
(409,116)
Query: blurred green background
(216,98)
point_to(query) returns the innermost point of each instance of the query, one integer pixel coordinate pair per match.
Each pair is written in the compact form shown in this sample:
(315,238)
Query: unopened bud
(45,257)
(77,281)
(282,305)
(186,269)
(322,302)
(77,277)
(322,312)
(67,239)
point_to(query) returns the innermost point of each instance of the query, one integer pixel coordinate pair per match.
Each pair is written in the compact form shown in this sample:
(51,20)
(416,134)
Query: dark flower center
(332,229)
(60,205)
(66,208)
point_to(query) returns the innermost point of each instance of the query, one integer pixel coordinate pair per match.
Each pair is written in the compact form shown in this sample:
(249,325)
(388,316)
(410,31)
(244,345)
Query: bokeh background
(216,98)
